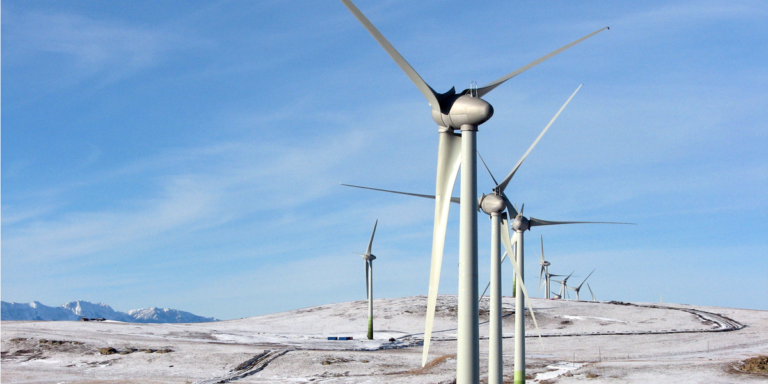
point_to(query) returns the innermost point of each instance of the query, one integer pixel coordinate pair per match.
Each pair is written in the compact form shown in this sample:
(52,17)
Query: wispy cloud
(85,46)
(196,188)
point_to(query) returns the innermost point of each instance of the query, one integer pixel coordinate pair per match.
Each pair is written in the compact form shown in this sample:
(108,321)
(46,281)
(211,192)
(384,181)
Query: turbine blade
(512,241)
(455,200)
(590,292)
(508,246)
(425,89)
(370,243)
(539,222)
(541,273)
(367,289)
(542,248)
(510,207)
(590,274)
(486,290)
(506,180)
(448,162)
(486,168)
(490,86)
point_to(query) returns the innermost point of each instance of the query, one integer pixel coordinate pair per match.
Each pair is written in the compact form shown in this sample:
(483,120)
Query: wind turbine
(521,224)
(451,111)
(544,271)
(577,289)
(369,258)
(564,285)
(494,205)
(590,292)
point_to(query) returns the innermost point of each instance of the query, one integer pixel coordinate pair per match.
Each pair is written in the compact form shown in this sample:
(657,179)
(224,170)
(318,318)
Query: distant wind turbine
(577,289)
(369,258)
(544,271)
(564,285)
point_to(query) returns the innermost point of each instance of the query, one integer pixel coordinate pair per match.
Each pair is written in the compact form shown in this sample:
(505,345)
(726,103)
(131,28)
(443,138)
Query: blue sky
(188,154)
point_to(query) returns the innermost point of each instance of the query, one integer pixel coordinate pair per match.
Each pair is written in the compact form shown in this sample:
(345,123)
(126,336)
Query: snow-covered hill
(583,342)
(74,310)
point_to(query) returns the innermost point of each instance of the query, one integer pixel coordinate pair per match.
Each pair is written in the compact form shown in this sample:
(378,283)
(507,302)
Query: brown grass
(757,364)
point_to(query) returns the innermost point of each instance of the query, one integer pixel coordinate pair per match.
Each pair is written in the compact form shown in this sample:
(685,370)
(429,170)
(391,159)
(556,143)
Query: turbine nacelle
(462,110)
(545,263)
(521,224)
(492,204)
(368,257)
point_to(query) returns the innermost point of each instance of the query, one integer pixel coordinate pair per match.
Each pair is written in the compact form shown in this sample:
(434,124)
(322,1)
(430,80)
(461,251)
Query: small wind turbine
(590,292)
(464,112)
(577,289)
(544,271)
(369,258)
(563,285)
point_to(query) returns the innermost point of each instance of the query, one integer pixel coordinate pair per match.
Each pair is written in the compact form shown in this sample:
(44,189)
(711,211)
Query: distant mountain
(35,311)
(165,315)
(95,311)
(74,310)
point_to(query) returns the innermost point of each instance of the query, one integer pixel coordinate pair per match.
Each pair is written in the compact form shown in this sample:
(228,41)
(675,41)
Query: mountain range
(75,310)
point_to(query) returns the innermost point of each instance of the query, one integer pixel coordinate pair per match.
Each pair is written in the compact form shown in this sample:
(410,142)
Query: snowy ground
(616,343)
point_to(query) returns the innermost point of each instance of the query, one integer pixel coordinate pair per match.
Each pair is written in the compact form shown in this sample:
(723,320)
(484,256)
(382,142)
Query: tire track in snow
(248,368)
(724,324)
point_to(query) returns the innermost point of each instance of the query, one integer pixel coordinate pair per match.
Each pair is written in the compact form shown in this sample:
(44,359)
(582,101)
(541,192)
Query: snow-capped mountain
(35,311)
(74,310)
(97,311)
(166,315)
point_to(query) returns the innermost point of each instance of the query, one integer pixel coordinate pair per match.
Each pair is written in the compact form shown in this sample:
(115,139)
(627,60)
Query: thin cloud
(186,201)
(86,47)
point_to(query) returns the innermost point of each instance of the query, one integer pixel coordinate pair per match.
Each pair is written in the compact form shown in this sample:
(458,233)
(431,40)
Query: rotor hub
(492,204)
(368,257)
(521,224)
(545,263)
(464,110)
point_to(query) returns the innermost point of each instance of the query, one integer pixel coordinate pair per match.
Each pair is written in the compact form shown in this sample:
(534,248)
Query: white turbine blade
(508,246)
(505,182)
(541,271)
(453,199)
(590,292)
(448,162)
(367,289)
(585,280)
(512,241)
(486,168)
(370,243)
(486,290)
(539,222)
(510,207)
(490,86)
(425,89)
